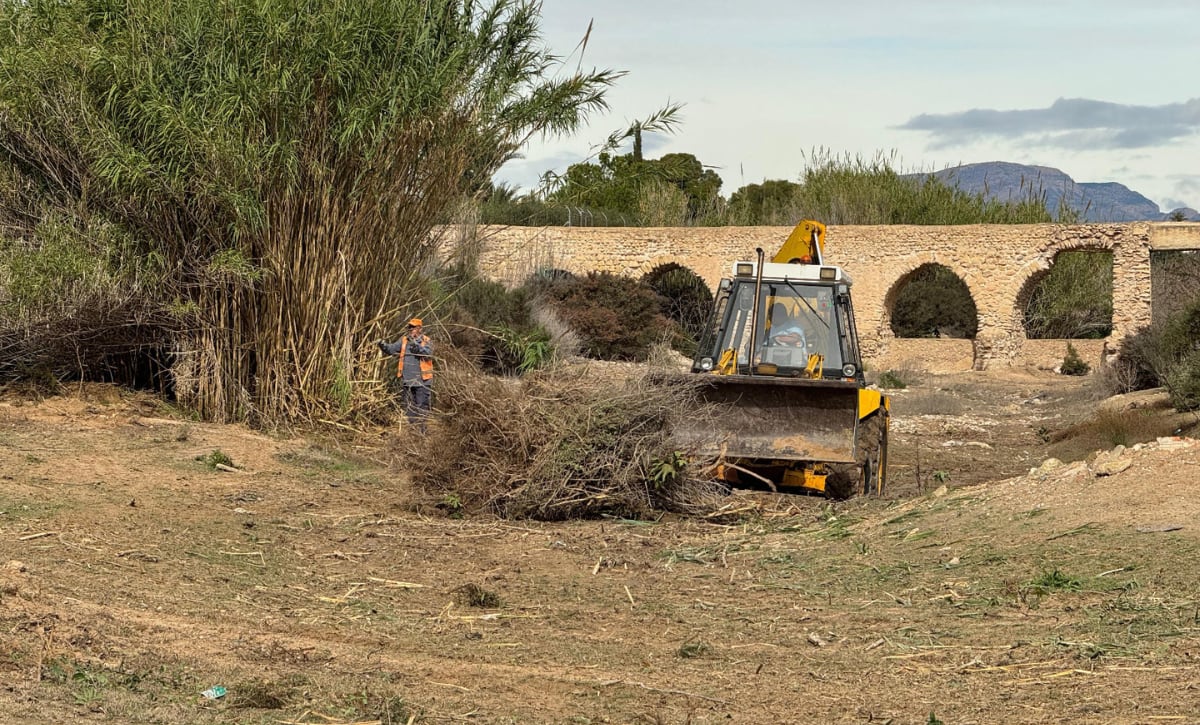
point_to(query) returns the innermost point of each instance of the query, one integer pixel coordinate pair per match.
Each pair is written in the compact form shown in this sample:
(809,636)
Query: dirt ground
(312,586)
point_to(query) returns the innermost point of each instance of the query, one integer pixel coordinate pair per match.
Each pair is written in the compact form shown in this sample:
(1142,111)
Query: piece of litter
(215,692)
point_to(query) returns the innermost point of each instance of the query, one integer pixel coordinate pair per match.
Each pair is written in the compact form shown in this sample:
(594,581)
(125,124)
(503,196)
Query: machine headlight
(848,370)
(743,269)
(706,363)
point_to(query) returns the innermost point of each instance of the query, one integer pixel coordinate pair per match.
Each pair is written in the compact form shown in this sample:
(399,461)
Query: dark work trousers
(417,400)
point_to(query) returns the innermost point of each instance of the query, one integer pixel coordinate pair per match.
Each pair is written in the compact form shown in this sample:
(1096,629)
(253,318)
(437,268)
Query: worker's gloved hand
(382,346)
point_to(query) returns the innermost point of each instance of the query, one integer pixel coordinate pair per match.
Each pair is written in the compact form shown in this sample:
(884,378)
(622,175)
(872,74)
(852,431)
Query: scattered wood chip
(31,537)
(1158,528)
(815,640)
(137,554)
(392,584)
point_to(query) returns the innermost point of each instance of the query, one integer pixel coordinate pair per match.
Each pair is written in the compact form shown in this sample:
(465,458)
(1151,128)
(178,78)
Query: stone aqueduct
(997,262)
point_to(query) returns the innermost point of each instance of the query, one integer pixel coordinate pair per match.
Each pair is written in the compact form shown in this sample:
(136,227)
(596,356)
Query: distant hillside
(1095,202)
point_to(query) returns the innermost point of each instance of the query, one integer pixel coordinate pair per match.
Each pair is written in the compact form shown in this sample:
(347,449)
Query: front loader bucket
(768,419)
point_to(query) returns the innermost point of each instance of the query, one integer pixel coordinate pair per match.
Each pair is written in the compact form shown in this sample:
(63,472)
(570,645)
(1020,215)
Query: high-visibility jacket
(426,362)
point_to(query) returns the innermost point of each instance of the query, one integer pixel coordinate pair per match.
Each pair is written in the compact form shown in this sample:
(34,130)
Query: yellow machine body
(781,364)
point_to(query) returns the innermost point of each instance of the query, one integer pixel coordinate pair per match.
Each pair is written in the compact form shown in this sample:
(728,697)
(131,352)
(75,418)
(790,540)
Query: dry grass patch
(931,402)
(1110,427)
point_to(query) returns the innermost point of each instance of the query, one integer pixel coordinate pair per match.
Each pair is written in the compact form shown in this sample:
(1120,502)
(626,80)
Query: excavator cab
(794,320)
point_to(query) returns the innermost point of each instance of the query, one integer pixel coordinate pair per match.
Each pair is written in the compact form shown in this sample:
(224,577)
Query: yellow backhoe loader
(781,360)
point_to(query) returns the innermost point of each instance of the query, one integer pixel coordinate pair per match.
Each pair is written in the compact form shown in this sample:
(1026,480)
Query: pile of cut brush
(561,443)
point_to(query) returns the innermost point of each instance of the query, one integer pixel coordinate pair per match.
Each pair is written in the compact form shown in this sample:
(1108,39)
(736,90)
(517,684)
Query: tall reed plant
(283,161)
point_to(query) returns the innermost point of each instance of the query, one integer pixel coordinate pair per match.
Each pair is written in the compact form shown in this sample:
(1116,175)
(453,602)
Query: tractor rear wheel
(871,453)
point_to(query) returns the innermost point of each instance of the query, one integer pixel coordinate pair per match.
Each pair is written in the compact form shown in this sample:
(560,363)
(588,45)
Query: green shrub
(489,303)
(1072,364)
(686,301)
(1181,333)
(494,325)
(512,351)
(218,457)
(1167,354)
(616,318)
(890,379)
(1183,383)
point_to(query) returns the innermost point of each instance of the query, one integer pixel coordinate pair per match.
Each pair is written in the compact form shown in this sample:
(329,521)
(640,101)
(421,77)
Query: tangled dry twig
(562,443)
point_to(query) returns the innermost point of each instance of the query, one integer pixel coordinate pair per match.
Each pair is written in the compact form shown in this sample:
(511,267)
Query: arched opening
(1072,300)
(933,301)
(687,302)
(1174,282)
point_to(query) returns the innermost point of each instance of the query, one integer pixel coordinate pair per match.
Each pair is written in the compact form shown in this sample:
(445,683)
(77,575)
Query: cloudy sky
(1105,90)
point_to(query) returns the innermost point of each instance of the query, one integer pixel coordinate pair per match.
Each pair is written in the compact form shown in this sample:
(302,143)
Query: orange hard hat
(415,322)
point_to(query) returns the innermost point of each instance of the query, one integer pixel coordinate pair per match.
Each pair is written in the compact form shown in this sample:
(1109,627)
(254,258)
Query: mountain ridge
(1105,201)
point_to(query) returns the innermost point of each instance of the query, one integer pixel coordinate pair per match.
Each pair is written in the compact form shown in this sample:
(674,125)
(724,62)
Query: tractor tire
(867,475)
(871,453)
(839,484)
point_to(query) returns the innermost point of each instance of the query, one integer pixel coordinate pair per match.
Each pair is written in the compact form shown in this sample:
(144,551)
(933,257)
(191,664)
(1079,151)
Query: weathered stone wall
(999,264)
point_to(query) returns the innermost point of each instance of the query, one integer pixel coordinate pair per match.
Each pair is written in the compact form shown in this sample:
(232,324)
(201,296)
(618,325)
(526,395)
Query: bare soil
(316,587)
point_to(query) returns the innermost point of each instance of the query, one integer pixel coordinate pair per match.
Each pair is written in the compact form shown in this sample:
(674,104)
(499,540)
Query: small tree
(1072,364)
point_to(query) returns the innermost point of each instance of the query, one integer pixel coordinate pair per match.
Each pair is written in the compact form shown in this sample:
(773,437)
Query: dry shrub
(1110,427)
(1119,376)
(1166,353)
(560,443)
(616,317)
(564,340)
(905,375)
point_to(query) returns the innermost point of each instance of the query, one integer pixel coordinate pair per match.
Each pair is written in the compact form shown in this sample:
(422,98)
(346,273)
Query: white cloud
(1069,123)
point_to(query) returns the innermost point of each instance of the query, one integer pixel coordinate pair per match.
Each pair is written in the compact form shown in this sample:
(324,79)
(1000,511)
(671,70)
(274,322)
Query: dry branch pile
(561,444)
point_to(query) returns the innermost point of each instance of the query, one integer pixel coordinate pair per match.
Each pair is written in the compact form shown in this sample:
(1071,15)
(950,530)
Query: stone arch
(687,299)
(931,300)
(1069,294)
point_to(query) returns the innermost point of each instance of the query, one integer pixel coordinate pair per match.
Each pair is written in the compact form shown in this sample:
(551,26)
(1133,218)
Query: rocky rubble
(1105,463)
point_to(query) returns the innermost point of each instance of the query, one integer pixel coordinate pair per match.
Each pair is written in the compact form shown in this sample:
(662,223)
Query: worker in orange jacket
(414,367)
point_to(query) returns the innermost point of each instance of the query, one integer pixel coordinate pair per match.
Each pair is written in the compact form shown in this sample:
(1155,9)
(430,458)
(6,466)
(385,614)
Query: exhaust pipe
(754,315)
